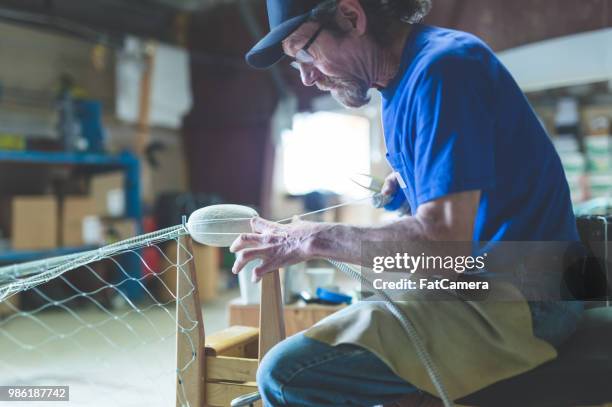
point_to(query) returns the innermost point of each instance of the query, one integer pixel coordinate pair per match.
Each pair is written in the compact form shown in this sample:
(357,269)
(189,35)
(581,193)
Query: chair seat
(581,375)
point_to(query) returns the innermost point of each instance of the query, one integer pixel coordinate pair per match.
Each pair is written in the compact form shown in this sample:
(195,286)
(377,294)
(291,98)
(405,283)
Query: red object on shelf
(152,254)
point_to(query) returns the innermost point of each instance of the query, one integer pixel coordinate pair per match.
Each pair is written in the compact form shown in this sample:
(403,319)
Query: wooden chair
(224,364)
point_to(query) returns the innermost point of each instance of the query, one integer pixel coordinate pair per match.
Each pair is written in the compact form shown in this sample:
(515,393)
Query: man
(469,157)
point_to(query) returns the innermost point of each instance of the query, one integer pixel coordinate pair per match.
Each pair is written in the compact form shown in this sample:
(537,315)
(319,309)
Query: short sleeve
(454,126)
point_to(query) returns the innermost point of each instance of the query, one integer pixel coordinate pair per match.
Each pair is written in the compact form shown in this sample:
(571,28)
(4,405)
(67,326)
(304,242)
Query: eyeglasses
(303,57)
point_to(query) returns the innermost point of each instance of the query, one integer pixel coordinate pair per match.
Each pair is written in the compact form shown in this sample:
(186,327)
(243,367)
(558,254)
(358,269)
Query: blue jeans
(301,371)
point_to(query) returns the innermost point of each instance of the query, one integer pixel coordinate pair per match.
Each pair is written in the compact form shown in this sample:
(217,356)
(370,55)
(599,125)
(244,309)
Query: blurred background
(118,117)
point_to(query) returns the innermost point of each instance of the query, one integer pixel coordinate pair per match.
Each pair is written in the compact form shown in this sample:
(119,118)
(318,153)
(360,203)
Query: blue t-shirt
(455,120)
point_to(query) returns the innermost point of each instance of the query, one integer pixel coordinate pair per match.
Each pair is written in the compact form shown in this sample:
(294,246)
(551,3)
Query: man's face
(335,67)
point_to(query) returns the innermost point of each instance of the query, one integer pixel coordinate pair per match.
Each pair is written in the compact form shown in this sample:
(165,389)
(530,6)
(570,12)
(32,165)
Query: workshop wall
(506,24)
(33,61)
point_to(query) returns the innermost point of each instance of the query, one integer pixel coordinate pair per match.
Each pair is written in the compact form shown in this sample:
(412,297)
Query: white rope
(327,209)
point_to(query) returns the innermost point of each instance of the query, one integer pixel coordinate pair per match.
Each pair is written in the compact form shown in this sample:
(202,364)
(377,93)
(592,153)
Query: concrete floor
(120,358)
(124,361)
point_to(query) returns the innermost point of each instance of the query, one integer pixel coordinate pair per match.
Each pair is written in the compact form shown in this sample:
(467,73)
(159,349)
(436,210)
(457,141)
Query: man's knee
(269,377)
(282,377)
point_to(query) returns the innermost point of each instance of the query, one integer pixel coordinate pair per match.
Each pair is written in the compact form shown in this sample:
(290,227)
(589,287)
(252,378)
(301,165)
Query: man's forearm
(448,219)
(343,242)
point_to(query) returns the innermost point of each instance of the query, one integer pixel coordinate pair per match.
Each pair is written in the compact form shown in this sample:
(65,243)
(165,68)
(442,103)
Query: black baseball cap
(285,16)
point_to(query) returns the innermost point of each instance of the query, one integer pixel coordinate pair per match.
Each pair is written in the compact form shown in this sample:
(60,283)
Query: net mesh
(75,321)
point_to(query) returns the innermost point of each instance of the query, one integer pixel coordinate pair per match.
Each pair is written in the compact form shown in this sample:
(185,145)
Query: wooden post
(271,318)
(143,131)
(144,109)
(190,381)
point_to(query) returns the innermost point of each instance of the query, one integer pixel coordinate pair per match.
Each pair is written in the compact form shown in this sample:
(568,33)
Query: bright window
(324,151)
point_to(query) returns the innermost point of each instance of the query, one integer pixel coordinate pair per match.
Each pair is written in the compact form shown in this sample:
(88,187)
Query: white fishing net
(73,321)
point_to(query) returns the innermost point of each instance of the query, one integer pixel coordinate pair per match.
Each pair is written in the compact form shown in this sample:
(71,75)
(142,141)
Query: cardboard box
(79,225)
(108,192)
(116,230)
(10,306)
(297,317)
(598,145)
(597,119)
(34,222)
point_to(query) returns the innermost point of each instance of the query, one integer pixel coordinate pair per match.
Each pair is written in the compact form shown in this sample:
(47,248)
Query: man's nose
(309,74)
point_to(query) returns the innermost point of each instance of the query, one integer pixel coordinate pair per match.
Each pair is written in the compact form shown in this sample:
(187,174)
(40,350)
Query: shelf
(18,256)
(126,162)
(63,158)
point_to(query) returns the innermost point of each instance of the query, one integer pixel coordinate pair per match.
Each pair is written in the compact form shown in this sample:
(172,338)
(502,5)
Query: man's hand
(275,244)
(390,185)
(393,198)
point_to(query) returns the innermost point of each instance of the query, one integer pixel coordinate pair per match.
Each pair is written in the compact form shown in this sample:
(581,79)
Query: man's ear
(352,17)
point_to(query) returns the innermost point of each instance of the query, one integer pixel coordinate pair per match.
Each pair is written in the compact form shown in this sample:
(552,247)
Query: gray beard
(349,92)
